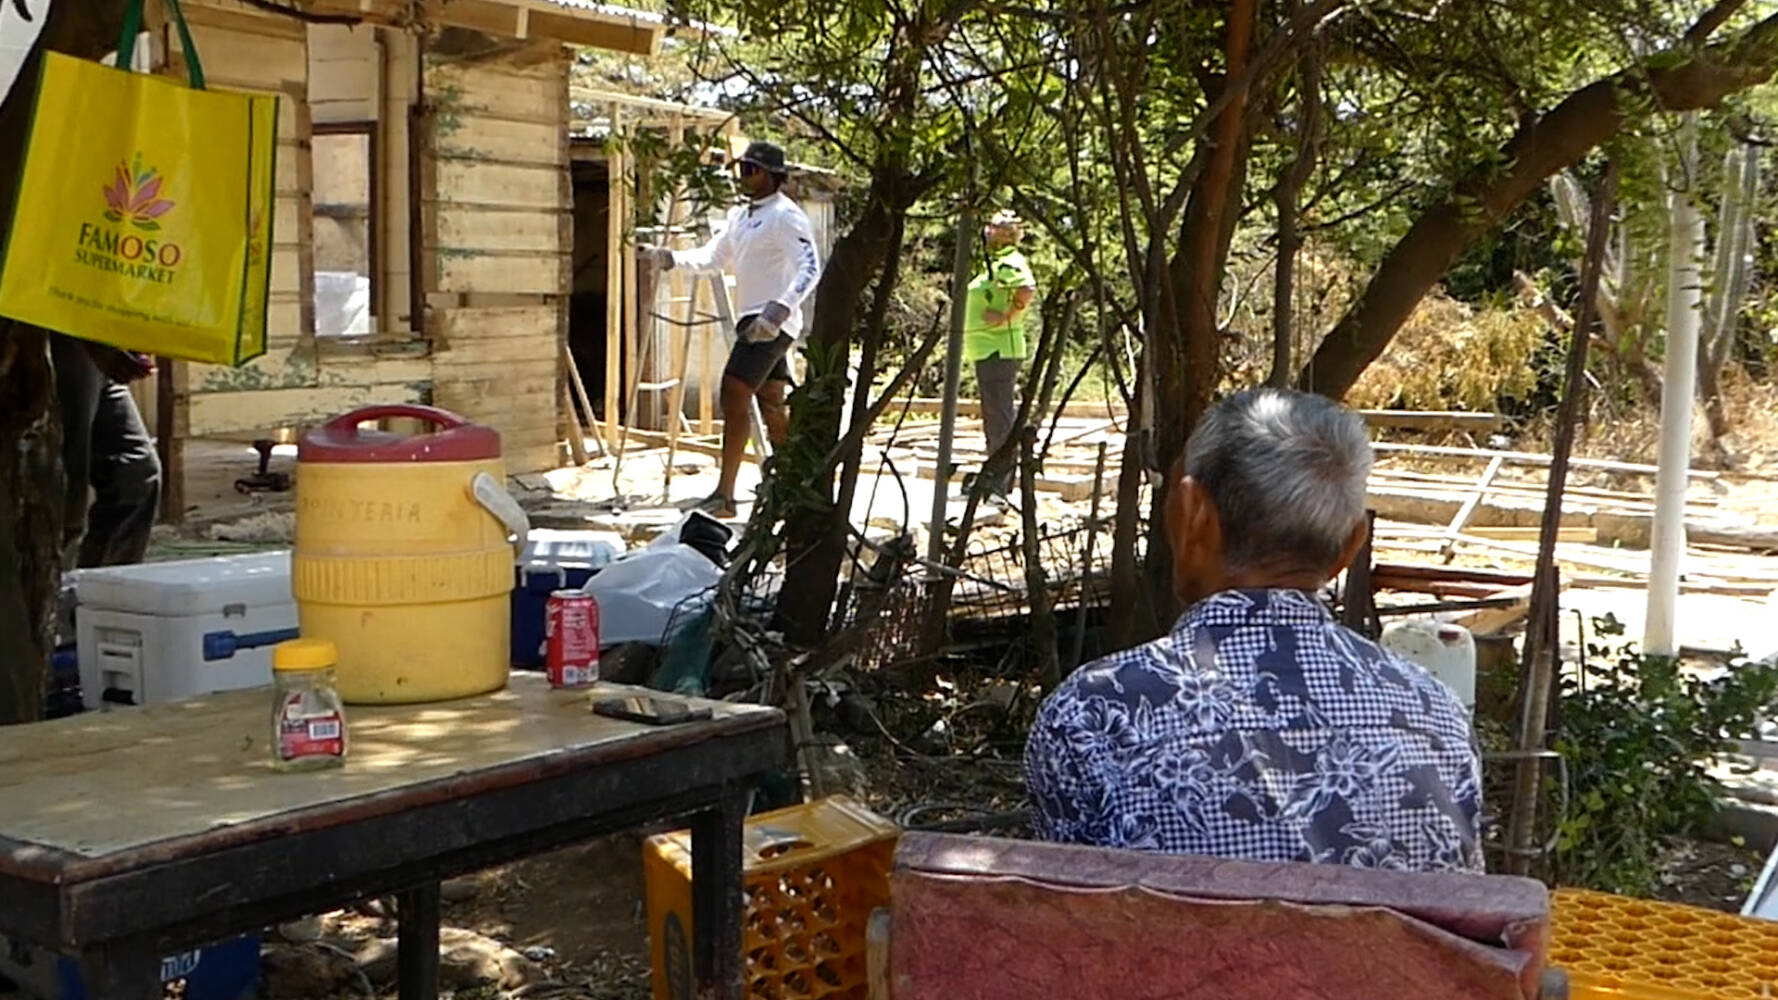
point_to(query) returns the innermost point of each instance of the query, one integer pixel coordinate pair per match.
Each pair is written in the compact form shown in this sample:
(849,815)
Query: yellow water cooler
(404,555)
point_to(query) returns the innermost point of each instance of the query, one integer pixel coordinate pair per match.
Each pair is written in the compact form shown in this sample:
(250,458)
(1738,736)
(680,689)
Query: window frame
(372,133)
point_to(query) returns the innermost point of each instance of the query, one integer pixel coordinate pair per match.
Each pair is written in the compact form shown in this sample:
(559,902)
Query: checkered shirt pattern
(1260,729)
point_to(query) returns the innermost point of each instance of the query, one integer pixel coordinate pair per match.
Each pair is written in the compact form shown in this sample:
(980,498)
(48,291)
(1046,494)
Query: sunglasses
(749,169)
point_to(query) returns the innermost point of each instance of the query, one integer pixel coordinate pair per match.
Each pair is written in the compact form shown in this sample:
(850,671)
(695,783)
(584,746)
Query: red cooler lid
(456,440)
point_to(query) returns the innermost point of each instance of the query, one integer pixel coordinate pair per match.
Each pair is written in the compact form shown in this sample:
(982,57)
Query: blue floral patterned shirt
(1260,729)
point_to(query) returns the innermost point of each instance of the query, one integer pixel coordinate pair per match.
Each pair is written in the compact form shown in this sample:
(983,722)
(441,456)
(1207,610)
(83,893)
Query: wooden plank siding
(472,164)
(497,224)
(247,51)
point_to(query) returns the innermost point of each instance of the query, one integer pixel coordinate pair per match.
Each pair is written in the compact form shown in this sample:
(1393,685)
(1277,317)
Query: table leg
(417,948)
(120,972)
(716,896)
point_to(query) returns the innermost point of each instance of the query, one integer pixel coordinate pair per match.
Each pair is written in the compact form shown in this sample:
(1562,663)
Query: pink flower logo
(133,196)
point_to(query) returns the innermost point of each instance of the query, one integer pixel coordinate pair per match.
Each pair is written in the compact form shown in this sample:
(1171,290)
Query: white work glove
(657,257)
(770,320)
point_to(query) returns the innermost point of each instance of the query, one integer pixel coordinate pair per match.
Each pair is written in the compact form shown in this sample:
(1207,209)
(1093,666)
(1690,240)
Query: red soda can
(571,627)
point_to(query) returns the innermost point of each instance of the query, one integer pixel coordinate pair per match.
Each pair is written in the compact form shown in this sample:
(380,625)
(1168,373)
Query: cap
(1006,217)
(766,156)
(304,654)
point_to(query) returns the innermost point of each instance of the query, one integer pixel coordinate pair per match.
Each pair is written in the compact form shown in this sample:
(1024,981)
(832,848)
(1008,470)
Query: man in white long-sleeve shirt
(769,246)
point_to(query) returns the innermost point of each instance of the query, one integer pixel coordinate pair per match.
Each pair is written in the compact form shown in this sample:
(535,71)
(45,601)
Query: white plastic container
(165,631)
(1446,651)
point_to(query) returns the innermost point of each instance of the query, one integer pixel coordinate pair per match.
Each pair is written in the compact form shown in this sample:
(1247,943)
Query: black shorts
(757,362)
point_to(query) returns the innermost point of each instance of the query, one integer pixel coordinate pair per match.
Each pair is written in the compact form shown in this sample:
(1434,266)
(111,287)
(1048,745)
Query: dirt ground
(584,904)
(579,912)
(937,745)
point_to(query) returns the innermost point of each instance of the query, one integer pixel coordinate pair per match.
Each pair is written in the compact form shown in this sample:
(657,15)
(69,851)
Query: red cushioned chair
(983,919)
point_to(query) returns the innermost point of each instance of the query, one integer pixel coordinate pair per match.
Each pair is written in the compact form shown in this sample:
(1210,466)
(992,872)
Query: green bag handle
(132,26)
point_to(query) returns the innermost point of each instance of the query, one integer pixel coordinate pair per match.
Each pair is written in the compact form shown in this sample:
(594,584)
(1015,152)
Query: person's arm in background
(1022,285)
(718,253)
(117,364)
(798,241)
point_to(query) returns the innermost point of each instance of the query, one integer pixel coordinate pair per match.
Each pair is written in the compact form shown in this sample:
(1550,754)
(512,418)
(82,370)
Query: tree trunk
(815,537)
(1285,196)
(30,427)
(1553,142)
(1184,345)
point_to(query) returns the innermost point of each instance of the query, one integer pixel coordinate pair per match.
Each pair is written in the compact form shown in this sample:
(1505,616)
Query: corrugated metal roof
(637,16)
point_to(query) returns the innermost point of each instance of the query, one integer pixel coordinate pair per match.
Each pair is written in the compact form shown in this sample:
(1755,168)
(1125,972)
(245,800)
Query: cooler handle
(347,423)
(494,499)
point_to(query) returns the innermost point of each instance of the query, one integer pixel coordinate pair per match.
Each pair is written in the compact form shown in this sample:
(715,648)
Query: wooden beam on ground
(1687,585)
(1528,458)
(1494,578)
(1754,537)
(1069,488)
(1493,621)
(1441,588)
(928,405)
(1464,512)
(1432,420)
(1416,420)
(1509,533)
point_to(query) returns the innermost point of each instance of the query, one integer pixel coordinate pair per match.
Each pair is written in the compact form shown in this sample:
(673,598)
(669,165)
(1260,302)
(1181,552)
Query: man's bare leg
(774,411)
(737,418)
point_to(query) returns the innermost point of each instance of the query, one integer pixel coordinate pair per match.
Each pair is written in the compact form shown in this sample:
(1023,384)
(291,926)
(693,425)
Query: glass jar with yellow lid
(308,718)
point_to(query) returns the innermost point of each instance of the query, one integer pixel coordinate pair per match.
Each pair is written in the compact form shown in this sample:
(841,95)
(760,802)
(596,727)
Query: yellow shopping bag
(144,212)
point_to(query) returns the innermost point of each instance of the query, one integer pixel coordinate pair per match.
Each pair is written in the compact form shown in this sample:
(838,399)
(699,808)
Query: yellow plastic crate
(812,875)
(1616,948)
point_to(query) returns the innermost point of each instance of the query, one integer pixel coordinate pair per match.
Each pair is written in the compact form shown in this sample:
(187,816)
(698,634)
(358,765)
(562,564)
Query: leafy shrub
(1638,734)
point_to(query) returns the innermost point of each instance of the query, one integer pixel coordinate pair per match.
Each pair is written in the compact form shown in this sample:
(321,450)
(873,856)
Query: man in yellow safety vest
(994,328)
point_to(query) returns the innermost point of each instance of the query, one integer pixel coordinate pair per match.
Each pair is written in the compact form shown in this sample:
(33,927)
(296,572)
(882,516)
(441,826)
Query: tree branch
(1552,143)
(1714,18)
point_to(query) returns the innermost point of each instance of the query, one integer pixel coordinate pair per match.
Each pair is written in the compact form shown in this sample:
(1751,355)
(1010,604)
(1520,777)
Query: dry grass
(1631,432)
(1451,356)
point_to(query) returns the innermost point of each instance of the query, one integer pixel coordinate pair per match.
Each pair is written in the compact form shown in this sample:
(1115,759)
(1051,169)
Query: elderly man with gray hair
(1259,728)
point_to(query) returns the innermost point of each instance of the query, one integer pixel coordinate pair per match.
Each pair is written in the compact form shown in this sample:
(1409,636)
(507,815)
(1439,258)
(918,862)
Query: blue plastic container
(530,599)
(553,560)
(226,971)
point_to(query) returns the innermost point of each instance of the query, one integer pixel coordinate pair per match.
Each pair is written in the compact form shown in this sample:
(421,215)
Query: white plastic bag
(640,593)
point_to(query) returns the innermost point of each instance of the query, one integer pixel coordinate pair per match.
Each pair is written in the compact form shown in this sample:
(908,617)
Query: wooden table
(133,834)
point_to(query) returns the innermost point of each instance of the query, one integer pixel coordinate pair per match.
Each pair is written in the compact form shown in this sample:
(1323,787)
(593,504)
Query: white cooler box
(165,631)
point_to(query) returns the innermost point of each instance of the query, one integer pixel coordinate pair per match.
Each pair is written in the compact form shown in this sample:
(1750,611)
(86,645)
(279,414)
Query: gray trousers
(114,475)
(997,382)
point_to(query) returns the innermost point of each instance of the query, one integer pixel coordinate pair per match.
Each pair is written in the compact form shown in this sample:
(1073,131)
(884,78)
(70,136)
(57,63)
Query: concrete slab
(1705,621)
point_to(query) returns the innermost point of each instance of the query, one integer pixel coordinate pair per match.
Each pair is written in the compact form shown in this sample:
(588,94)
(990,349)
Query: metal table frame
(117,915)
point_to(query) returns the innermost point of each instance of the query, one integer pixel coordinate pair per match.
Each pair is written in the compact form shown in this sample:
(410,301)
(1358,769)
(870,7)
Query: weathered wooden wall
(497,240)
(295,383)
(472,165)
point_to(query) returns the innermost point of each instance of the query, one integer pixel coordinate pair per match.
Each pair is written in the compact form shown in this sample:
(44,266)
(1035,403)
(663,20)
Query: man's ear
(1194,533)
(1360,532)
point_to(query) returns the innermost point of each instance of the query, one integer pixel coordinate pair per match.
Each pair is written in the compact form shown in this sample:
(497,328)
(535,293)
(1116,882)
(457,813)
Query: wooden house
(425,224)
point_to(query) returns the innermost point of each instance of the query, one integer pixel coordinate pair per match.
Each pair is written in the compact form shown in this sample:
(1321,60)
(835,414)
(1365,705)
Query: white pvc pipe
(1685,297)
